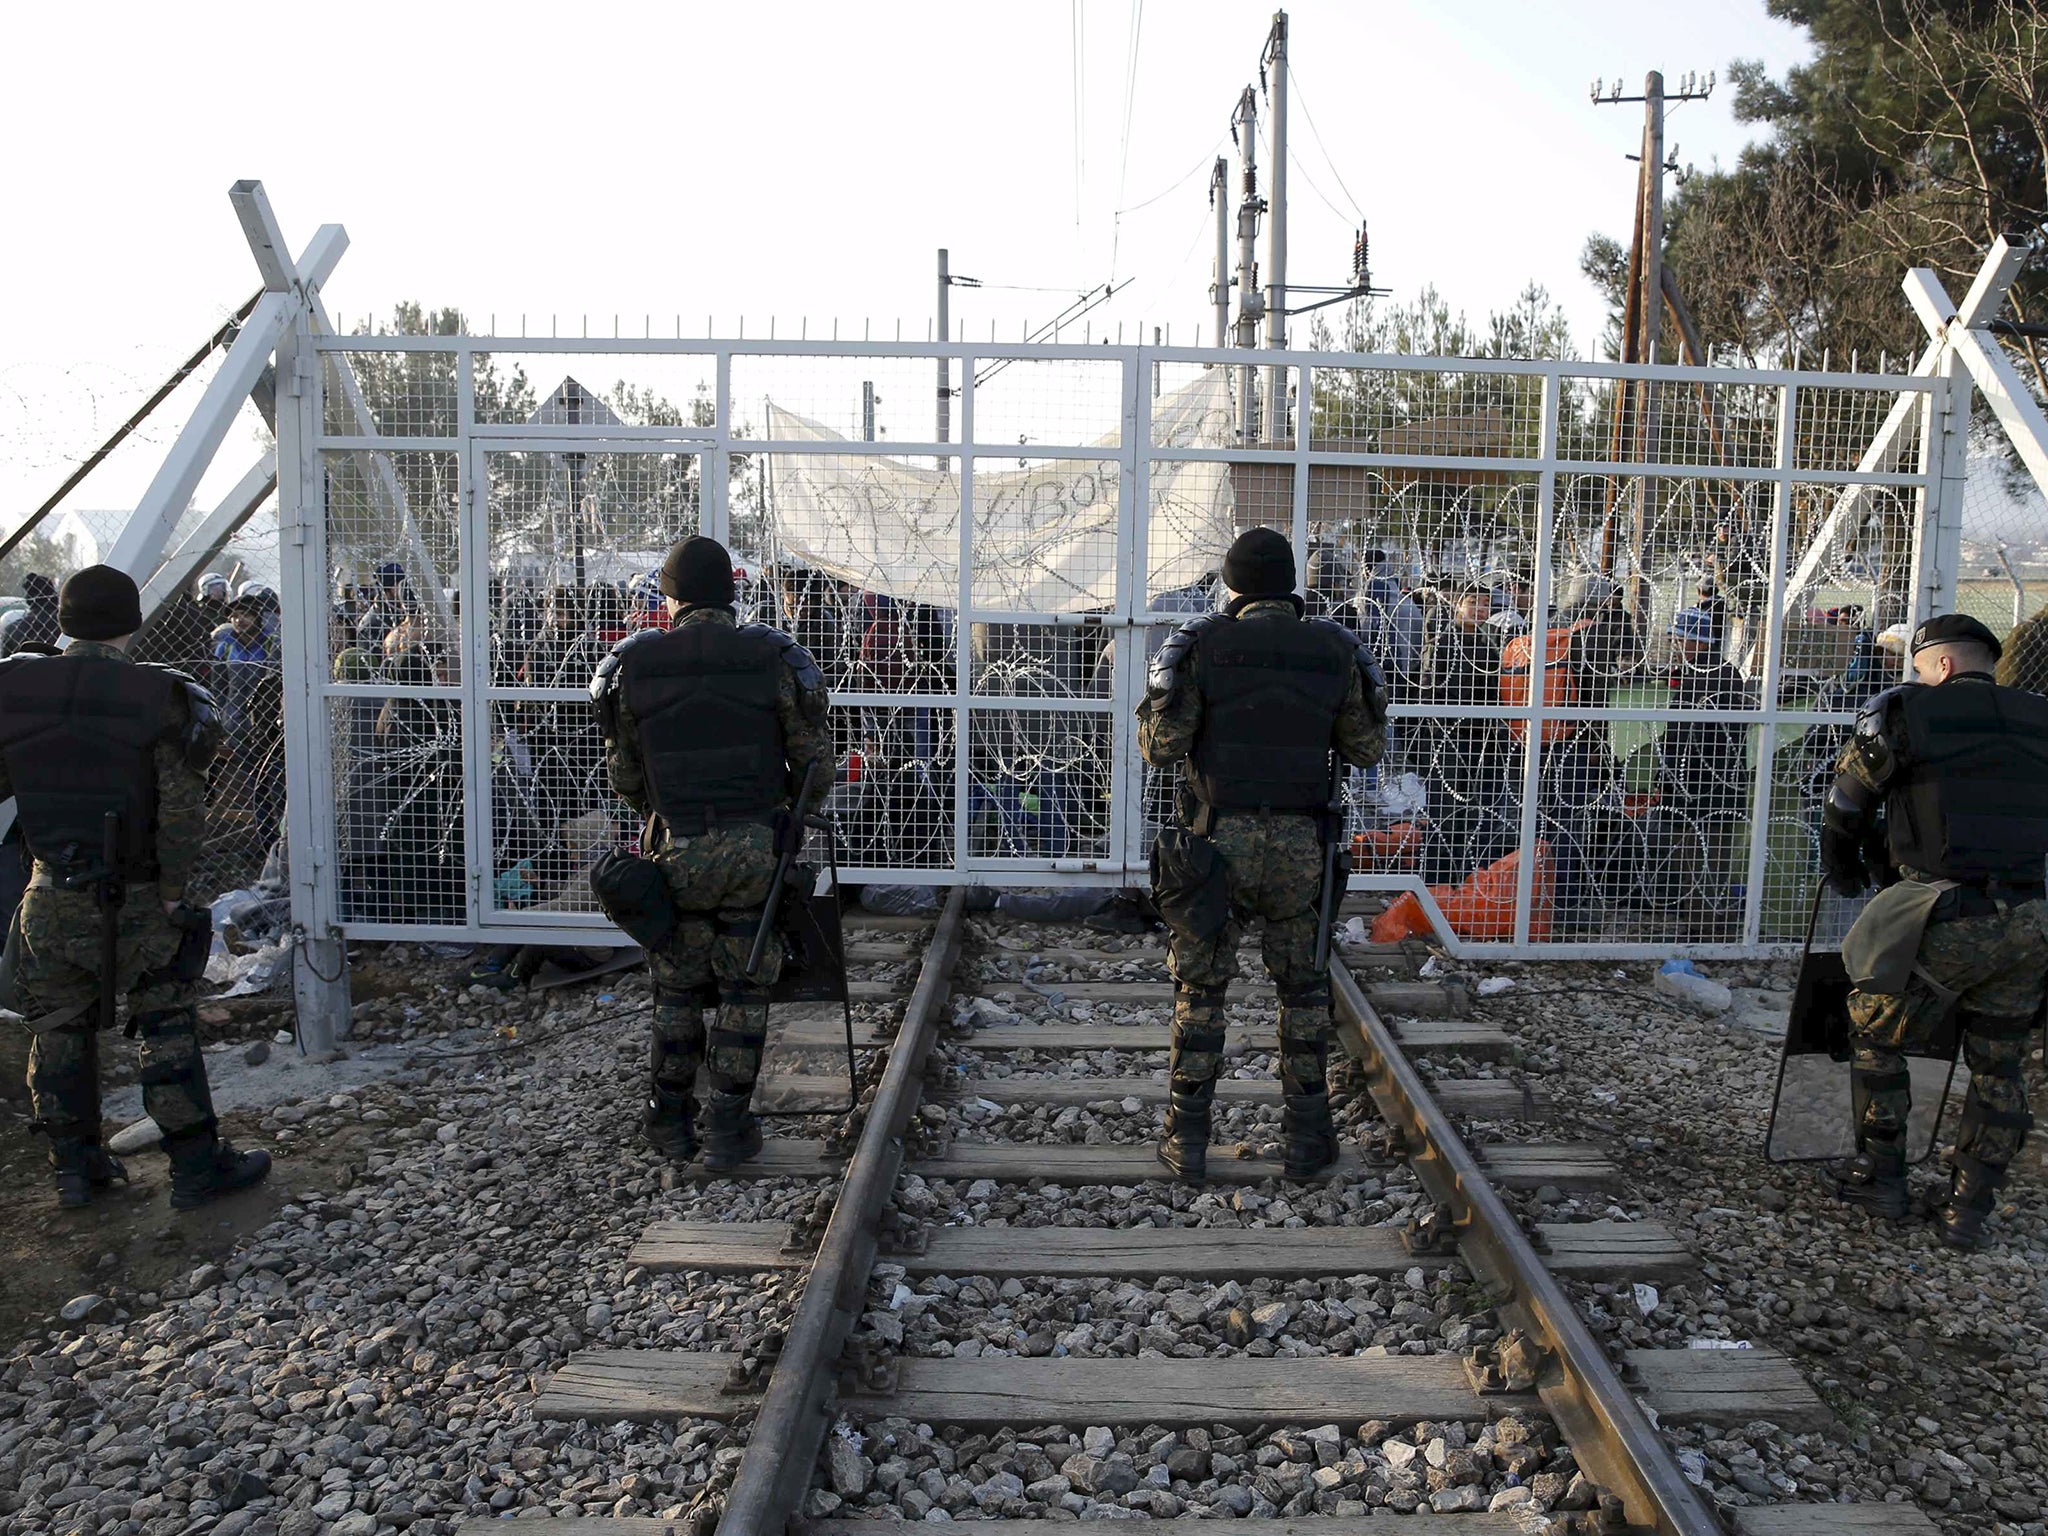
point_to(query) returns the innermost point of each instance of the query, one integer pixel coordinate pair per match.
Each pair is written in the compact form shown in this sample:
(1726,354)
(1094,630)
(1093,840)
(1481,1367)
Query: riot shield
(814,958)
(1812,1113)
(814,951)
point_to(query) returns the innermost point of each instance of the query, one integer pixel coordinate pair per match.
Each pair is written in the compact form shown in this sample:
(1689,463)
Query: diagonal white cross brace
(141,542)
(1923,290)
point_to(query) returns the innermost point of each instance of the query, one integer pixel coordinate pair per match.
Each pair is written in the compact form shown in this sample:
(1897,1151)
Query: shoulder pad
(809,677)
(1874,726)
(203,732)
(607,676)
(1368,668)
(1166,665)
(1875,715)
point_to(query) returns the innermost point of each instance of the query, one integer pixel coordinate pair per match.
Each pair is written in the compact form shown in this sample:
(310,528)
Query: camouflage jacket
(802,713)
(180,789)
(1167,731)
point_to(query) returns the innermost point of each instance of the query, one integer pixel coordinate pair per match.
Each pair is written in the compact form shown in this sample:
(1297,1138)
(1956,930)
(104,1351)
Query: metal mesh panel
(1701,422)
(400,808)
(1437,412)
(595,389)
(871,398)
(1063,403)
(1045,535)
(895,793)
(1040,785)
(393,548)
(552,809)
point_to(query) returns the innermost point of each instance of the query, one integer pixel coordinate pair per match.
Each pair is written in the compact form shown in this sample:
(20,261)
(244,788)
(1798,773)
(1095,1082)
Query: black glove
(1841,857)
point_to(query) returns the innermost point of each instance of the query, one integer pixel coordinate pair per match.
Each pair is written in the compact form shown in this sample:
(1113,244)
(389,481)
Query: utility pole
(1219,291)
(1244,127)
(1276,233)
(1635,423)
(945,368)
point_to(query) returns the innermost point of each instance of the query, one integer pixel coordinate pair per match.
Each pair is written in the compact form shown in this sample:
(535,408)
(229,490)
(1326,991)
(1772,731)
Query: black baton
(110,896)
(783,865)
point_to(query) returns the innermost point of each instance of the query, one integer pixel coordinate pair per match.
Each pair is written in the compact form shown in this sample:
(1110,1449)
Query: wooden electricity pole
(1635,418)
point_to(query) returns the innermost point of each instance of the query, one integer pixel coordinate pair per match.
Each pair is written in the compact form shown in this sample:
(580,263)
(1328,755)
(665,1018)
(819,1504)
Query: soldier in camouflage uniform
(708,727)
(1250,703)
(1959,765)
(81,735)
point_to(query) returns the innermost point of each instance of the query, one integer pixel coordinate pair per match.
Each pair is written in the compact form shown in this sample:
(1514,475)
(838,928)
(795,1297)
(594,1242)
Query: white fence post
(320,981)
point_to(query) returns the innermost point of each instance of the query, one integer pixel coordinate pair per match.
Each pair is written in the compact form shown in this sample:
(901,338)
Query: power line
(1130,99)
(1295,160)
(1080,81)
(1200,167)
(1294,80)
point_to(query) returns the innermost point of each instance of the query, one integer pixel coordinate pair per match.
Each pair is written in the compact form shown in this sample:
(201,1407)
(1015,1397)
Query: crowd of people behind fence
(1446,803)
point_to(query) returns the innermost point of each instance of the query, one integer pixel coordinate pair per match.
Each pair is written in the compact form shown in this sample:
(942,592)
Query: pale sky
(800,160)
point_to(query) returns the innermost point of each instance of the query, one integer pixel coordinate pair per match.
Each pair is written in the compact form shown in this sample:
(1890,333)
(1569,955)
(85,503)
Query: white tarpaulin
(1045,536)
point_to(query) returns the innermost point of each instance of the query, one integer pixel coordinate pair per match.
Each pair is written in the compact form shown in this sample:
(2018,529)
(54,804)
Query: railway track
(1388,1343)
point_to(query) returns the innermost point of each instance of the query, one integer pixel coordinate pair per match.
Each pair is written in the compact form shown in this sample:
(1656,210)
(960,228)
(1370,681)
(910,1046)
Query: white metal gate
(982,607)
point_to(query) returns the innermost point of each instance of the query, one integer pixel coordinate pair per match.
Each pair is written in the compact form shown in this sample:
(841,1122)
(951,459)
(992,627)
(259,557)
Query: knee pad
(166,1025)
(703,995)
(1994,1026)
(1315,995)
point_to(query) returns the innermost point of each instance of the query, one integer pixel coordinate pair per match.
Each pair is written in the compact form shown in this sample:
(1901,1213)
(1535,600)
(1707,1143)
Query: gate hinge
(301,377)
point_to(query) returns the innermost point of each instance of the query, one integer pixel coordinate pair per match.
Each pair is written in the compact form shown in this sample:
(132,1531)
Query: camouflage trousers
(1275,865)
(719,883)
(1997,967)
(60,967)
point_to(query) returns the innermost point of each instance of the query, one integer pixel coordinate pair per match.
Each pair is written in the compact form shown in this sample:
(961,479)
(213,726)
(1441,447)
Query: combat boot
(1875,1179)
(74,1180)
(1973,1193)
(1311,1138)
(1184,1146)
(670,1124)
(204,1167)
(81,1168)
(732,1133)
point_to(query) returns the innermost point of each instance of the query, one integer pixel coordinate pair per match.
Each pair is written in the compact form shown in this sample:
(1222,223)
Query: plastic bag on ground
(1053,906)
(901,900)
(1482,908)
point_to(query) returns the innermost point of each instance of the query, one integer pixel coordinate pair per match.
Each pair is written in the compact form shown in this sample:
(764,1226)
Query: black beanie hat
(99,603)
(36,584)
(698,571)
(1260,564)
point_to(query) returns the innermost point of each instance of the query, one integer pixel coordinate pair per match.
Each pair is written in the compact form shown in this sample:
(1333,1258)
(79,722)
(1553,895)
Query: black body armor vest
(79,735)
(704,698)
(1271,689)
(1970,802)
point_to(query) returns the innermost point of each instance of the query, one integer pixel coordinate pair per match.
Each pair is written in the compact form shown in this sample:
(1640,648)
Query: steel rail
(1606,1428)
(775,1471)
